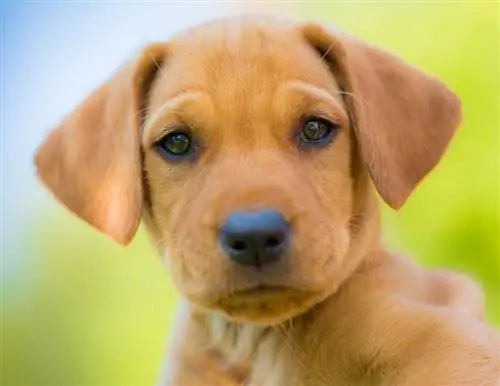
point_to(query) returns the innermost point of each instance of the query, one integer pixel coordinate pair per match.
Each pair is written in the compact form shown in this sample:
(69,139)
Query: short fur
(338,309)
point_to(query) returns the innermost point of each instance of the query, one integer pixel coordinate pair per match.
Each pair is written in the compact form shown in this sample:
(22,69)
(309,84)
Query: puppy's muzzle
(255,238)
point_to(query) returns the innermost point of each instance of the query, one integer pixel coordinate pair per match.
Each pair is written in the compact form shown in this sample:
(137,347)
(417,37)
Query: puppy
(253,149)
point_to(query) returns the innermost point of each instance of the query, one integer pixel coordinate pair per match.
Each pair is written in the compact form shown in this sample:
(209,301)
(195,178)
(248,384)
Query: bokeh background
(78,310)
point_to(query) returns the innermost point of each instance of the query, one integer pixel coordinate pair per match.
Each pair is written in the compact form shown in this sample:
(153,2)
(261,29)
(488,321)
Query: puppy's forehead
(227,58)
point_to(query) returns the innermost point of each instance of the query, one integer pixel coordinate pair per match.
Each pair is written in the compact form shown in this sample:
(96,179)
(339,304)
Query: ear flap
(403,119)
(92,161)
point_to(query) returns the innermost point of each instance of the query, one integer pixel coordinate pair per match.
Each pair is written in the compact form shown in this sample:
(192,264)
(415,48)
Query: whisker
(144,110)
(327,52)
(345,93)
(155,62)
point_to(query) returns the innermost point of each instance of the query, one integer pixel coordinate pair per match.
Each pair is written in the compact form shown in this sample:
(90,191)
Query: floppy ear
(403,119)
(92,161)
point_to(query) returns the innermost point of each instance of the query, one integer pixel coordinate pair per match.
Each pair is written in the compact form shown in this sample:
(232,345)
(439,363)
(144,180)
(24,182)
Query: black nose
(255,238)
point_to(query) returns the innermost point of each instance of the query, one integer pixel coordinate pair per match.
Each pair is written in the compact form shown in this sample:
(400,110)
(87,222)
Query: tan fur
(338,309)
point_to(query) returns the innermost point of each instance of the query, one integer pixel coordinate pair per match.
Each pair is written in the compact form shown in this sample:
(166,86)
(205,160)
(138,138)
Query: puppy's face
(247,145)
(247,157)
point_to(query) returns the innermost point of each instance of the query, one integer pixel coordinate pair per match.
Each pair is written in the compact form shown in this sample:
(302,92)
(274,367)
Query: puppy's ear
(92,161)
(403,119)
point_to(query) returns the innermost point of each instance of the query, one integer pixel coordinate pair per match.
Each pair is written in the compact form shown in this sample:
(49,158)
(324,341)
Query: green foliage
(95,314)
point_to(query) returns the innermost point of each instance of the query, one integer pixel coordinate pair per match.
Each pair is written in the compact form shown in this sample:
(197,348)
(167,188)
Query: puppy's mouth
(265,304)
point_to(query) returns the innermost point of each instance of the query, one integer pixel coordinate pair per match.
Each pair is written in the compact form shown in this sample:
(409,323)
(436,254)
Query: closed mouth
(264,303)
(262,290)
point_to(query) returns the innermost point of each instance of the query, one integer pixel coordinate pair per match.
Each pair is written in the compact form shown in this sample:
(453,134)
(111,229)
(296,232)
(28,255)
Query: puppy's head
(247,146)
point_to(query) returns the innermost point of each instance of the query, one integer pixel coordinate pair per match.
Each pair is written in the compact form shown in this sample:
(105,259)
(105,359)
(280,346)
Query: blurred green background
(85,312)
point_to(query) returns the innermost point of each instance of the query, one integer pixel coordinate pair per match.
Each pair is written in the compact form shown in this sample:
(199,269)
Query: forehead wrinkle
(315,92)
(173,104)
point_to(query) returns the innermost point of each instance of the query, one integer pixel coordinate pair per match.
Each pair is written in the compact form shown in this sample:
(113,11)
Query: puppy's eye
(176,143)
(317,129)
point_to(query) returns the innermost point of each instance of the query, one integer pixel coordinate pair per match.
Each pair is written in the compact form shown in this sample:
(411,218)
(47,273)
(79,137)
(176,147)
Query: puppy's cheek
(336,268)
(179,267)
(335,261)
(321,242)
(198,268)
(178,259)
(324,272)
(170,240)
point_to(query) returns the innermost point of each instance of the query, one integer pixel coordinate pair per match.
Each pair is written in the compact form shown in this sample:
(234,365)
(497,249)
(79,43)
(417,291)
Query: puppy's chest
(254,350)
(270,357)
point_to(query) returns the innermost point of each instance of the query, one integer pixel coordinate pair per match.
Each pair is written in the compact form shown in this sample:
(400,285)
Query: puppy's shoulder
(396,275)
(457,291)
(390,306)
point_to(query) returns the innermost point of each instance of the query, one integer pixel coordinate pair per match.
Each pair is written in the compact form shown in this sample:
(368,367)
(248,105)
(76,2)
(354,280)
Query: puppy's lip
(263,294)
(265,304)
(261,290)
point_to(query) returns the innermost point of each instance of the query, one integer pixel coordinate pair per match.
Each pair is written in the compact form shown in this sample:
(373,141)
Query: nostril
(274,241)
(238,245)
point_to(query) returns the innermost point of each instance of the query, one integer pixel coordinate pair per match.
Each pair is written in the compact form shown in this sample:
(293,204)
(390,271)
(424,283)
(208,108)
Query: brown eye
(176,143)
(316,129)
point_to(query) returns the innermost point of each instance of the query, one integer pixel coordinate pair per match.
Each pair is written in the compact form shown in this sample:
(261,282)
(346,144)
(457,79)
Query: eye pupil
(176,143)
(316,129)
